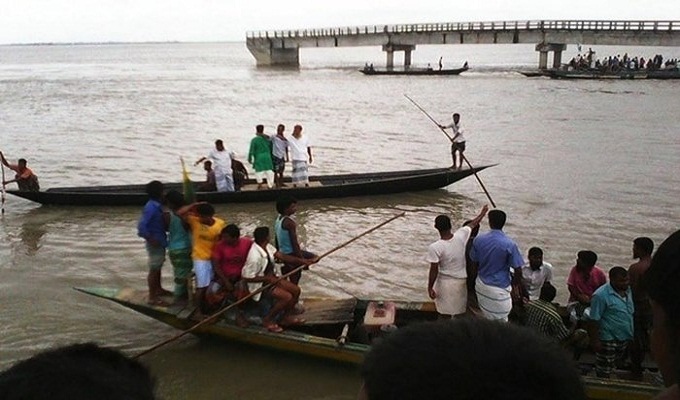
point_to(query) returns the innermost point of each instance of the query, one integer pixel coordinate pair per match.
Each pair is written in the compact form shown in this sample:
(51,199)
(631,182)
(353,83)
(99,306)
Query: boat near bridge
(414,71)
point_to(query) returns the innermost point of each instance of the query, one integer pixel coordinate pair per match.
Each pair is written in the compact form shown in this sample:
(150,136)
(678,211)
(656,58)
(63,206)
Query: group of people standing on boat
(267,154)
(226,265)
(487,273)
(618,63)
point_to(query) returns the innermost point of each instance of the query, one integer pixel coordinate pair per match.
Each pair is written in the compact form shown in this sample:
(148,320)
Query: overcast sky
(32,21)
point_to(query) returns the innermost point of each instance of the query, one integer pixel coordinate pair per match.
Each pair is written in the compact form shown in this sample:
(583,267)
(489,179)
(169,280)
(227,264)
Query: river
(581,165)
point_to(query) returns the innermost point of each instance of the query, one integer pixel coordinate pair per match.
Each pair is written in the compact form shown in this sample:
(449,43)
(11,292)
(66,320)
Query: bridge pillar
(391,48)
(544,49)
(267,55)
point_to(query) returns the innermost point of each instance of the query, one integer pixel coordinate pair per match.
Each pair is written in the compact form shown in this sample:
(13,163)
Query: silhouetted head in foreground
(81,371)
(469,359)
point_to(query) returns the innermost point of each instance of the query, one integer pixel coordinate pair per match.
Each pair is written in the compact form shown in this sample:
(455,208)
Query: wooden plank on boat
(328,311)
(252,187)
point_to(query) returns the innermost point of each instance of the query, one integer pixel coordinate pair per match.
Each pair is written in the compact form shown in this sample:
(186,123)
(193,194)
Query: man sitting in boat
(228,258)
(542,316)
(25,178)
(260,268)
(209,184)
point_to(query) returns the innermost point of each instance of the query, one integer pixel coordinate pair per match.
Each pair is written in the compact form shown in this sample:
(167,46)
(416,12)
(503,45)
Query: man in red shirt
(25,178)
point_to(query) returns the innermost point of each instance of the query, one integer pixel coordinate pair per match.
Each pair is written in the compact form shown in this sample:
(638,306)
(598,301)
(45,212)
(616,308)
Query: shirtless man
(25,178)
(209,185)
(642,317)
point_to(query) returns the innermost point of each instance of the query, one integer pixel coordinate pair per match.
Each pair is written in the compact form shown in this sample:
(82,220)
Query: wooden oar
(260,290)
(461,154)
(3,188)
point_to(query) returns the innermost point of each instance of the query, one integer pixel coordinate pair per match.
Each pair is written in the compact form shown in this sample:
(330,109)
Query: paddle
(461,154)
(3,188)
(260,290)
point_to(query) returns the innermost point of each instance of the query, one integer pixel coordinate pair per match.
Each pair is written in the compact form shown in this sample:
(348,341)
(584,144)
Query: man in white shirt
(301,154)
(535,273)
(447,283)
(457,141)
(221,159)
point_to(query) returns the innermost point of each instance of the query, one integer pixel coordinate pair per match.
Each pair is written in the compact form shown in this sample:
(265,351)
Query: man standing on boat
(25,178)
(260,157)
(612,311)
(280,153)
(457,141)
(642,319)
(447,283)
(301,153)
(287,240)
(495,255)
(221,159)
(151,227)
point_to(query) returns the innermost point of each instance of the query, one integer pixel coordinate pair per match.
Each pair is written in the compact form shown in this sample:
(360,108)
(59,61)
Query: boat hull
(625,75)
(328,186)
(326,348)
(414,71)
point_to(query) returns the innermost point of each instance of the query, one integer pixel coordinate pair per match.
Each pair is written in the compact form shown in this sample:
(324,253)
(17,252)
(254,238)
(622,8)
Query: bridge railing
(470,27)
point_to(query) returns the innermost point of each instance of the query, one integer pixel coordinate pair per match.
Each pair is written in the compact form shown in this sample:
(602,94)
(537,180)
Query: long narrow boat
(624,74)
(323,186)
(414,71)
(333,330)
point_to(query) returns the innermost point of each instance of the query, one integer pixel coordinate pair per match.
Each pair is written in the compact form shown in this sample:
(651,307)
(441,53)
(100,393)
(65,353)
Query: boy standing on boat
(221,159)
(279,154)
(301,153)
(447,283)
(151,227)
(457,142)
(179,245)
(205,232)
(260,157)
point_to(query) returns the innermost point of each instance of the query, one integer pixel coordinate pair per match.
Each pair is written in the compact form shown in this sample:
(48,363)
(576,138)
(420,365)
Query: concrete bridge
(283,47)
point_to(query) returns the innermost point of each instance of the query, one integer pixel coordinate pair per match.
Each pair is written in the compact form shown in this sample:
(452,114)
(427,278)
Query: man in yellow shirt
(205,232)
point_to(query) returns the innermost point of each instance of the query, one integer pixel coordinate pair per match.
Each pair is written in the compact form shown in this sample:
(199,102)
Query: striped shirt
(543,317)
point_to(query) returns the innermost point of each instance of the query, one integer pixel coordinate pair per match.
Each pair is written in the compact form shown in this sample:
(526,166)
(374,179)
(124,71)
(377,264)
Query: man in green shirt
(260,157)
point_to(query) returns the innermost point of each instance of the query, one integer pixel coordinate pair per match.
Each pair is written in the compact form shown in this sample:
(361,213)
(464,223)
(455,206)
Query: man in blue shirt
(494,255)
(611,308)
(151,227)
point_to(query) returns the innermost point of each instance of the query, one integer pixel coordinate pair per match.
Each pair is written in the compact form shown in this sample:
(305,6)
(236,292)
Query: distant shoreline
(114,43)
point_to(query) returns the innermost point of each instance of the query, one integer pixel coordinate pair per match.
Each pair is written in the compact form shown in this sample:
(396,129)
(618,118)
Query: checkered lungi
(605,360)
(300,172)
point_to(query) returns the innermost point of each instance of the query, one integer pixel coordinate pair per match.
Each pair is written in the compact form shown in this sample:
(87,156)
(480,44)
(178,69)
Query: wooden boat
(623,74)
(332,331)
(532,74)
(413,71)
(323,186)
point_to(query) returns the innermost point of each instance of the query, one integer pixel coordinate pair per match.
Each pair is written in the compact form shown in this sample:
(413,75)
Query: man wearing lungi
(447,283)
(495,255)
(301,154)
